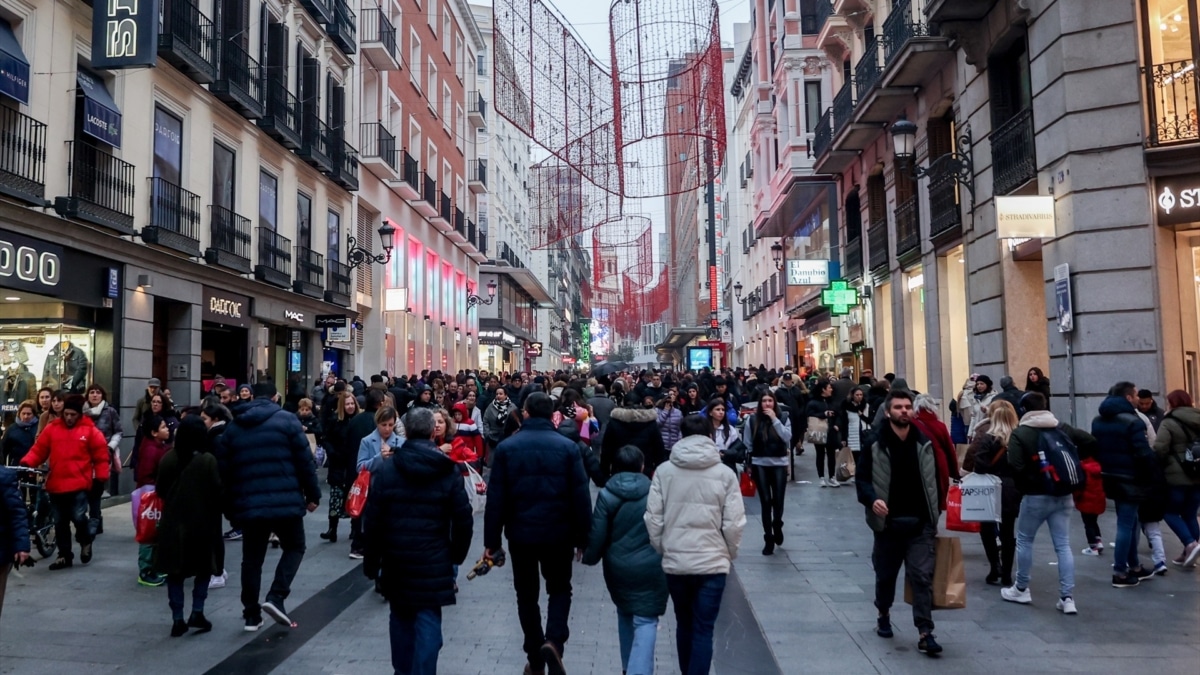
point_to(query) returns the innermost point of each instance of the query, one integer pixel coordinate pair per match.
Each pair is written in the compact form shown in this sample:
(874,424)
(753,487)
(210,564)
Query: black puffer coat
(417,525)
(633,570)
(267,468)
(637,427)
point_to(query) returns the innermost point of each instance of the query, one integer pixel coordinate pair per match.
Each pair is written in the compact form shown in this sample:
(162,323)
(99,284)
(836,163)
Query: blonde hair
(304,403)
(1003,418)
(451,426)
(341,404)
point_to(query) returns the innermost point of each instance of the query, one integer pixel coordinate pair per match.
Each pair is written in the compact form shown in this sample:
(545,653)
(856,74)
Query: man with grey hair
(842,388)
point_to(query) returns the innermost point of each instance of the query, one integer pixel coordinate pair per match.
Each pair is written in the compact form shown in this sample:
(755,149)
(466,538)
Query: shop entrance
(1188,249)
(222,352)
(916,350)
(952,320)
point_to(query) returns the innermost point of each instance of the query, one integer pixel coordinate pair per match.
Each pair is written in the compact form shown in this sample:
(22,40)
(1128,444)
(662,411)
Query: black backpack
(1189,461)
(1058,462)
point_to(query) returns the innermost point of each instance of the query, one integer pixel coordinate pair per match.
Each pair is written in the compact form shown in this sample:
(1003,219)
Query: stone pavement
(811,603)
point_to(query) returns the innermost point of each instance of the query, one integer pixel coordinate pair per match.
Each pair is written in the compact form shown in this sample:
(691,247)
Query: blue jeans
(1125,555)
(637,635)
(697,599)
(1056,512)
(175,595)
(1181,513)
(416,637)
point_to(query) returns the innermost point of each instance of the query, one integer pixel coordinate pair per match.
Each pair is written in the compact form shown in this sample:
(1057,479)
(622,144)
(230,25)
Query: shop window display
(36,356)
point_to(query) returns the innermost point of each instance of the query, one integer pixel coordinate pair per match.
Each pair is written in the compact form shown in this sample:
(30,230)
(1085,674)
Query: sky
(589,20)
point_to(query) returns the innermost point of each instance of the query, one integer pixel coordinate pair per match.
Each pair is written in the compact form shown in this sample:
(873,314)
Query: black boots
(777,530)
(331,534)
(769,549)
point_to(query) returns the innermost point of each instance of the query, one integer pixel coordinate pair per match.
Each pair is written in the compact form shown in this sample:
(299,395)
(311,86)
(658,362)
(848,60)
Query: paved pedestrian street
(811,603)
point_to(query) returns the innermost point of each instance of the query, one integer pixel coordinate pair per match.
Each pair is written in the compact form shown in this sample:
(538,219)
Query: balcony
(338,292)
(409,185)
(877,104)
(945,218)
(100,188)
(823,134)
(229,240)
(843,148)
(314,143)
(869,68)
(445,211)
(482,245)
(239,82)
(477,176)
(854,259)
(343,30)
(378,150)
(320,10)
(877,247)
(274,258)
(939,11)
(912,51)
(187,40)
(282,119)
(345,164)
(908,231)
(22,157)
(310,273)
(174,218)
(458,233)
(427,203)
(379,40)
(832,27)
(1013,160)
(476,109)
(1171,101)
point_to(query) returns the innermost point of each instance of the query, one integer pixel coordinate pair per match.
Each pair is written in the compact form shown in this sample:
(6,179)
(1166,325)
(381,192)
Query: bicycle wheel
(44,535)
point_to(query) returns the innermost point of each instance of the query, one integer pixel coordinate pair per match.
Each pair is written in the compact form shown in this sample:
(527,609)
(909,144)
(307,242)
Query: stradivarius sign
(1177,200)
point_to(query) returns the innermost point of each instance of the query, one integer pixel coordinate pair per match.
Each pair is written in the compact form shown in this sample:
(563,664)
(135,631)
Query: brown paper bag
(312,443)
(949,576)
(845,464)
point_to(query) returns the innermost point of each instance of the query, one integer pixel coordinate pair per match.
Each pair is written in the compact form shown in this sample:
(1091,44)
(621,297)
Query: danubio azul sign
(124,33)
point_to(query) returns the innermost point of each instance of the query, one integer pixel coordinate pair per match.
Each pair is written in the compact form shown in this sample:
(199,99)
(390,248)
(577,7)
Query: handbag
(954,520)
(736,452)
(817,432)
(476,490)
(845,464)
(356,499)
(981,498)
(747,484)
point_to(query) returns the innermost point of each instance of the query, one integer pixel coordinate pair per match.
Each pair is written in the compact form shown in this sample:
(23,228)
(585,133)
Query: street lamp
(956,166)
(777,255)
(737,294)
(473,299)
(363,256)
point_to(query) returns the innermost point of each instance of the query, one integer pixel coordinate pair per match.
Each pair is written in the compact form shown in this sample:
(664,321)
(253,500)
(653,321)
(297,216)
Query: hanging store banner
(101,116)
(811,272)
(1025,217)
(124,34)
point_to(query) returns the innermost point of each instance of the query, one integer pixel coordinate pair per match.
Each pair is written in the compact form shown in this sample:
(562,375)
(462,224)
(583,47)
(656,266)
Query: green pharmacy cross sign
(839,298)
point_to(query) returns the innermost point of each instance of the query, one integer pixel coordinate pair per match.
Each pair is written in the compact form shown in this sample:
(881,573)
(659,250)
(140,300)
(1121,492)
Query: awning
(525,279)
(792,217)
(101,116)
(678,337)
(14,67)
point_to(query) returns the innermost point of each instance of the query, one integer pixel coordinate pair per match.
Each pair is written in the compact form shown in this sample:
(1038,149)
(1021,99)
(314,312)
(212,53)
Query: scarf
(94,412)
(502,407)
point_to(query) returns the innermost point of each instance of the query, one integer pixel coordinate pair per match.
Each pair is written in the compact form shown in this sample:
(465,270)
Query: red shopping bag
(148,515)
(748,489)
(954,519)
(357,499)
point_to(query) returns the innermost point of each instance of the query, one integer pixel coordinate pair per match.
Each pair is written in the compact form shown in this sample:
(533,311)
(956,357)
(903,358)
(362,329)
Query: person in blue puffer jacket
(268,472)
(14,527)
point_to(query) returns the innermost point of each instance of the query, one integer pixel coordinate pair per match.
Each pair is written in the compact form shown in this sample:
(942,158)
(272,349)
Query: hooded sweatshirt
(694,513)
(1023,449)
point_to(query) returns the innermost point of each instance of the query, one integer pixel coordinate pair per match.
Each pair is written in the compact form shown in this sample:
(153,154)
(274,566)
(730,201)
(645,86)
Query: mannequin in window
(19,384)
(66,368)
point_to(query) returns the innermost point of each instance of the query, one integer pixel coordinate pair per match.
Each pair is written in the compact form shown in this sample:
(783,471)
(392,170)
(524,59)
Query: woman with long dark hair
(822,415)
(768,435)
(1036,380)
(725,435)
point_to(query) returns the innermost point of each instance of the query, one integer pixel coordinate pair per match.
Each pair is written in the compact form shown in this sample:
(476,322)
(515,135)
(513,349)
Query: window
(431,92)
(446,103)
(481,65)
(812,105)
(224,176)
(268,188)
(1008,79)
(431,161)
(808,17)
(168,146)
(460,126)
(431,16)
(446,34)
(334,246)
(303,220)
(414,138)
(459,61)
(414,56)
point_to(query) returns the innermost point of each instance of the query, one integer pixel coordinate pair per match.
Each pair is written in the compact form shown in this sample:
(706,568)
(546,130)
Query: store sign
(839,297)
(497,337)
(336,326)
(113,276)
(226,308)
(293,315)
(534,350)
(30,265)
(585,340)
(810,272)
(1177,200)
(124,34)
(1025,217)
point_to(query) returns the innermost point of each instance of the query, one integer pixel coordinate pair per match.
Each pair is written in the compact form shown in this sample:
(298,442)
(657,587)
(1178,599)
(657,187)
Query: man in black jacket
(270,479)
(637,426)
(417,527)
(538,497)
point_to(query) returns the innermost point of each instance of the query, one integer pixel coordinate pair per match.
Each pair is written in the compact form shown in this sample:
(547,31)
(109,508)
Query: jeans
(1091,528)
(1056,512)
(3,584)
(255,535)
(826,456)
(1181,513)
(1153,532)
(1125,555)
(145,560)
(915,548)
(637,635)
(71,507)
(697,599)
(553,563)
(771,482)
(175,595)
(1001,558)
(416,637)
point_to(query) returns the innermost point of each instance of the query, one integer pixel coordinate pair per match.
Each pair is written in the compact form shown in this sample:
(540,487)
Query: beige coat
(695,514)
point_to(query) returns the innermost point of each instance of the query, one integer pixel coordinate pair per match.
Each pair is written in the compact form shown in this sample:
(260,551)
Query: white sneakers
(830,482)
(1016,595)
(1065,605)
(218,581)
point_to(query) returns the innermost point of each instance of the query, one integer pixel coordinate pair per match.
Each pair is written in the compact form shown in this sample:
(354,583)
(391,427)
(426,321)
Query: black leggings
(826,457)
(1001,559)
(771,482)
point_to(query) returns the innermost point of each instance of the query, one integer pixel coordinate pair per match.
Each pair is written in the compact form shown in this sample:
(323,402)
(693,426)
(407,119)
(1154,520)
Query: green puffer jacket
(1179,429)
(873,477)
(633,570)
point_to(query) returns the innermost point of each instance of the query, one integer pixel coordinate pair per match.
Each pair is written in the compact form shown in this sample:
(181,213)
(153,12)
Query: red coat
(77,455)
(947,459)
(149,455)
(1091,498)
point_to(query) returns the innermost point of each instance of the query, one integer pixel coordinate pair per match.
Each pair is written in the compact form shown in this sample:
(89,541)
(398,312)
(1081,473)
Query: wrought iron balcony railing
(174,218)
(188,40)
(274,258)
(843,106)
(944,214)
(854,259)
(229,240)
(377,141)
(901,25)
(343,29)
(337,291)
(429,191)
(822,136)
(310,273)
(869,68)
(1171,101)
(282,120)
(239,81)
(100,188)
(376,28)
(908,228)
(22,157)
(1013,160)
(877,245)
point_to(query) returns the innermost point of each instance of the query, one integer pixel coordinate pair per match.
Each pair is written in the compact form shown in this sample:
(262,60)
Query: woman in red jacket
(466,433)
(79,463)
(926,420)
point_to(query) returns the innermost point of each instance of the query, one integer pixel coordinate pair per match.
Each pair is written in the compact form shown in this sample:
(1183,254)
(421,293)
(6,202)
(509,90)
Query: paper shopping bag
(845,464)
(949,576)
(954,520)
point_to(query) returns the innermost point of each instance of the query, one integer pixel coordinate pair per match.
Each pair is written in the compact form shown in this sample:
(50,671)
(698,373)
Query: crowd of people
(665,452)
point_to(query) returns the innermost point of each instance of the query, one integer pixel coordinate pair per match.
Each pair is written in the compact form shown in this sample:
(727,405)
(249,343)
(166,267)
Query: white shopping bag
(476,490)
(981,498)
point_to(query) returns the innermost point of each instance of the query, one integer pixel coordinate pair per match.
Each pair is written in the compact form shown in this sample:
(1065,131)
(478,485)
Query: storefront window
(914,311)
(44,355)
(1168,30)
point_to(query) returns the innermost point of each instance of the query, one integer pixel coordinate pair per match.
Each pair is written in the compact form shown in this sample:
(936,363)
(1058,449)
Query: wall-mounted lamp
(777,255)
(358,255)
(956,166)
(145,281)
(737,294)
(473,299)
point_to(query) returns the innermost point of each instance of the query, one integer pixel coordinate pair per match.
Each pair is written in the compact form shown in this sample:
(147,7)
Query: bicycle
(42,517)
